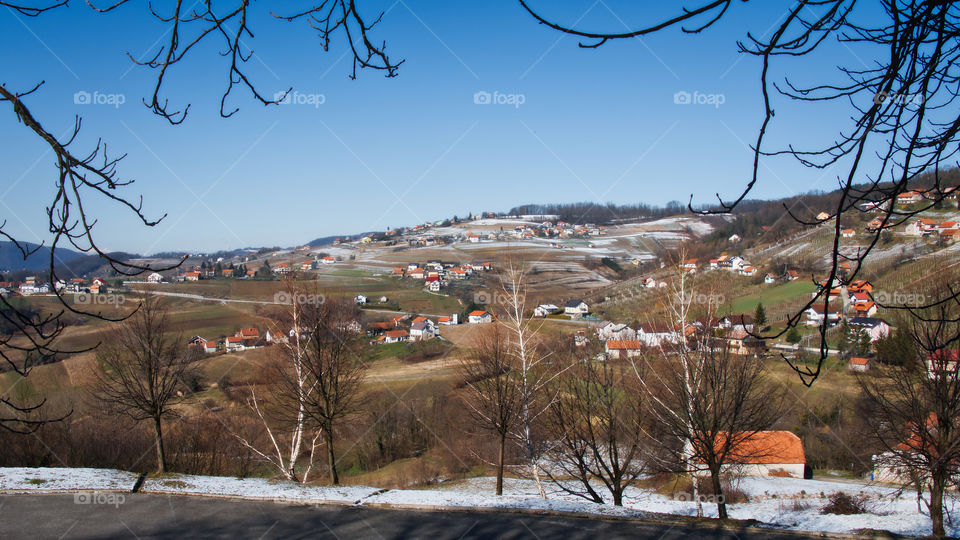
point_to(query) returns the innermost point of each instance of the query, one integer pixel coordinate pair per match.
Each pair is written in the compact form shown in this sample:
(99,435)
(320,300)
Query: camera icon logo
(682,98)
(82,98)
(482,98)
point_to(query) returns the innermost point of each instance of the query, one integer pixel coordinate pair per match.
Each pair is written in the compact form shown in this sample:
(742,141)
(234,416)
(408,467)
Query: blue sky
(594,124)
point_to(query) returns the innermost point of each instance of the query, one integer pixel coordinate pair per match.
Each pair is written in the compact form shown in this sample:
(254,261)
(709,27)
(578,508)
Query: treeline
(588,212)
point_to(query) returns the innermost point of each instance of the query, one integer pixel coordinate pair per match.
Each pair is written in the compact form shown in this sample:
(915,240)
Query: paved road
(158,516)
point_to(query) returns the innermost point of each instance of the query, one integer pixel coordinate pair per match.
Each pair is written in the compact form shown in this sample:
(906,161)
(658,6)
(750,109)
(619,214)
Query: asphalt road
(158,516)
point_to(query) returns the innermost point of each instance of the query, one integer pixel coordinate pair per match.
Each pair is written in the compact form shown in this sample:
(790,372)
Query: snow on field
(777,502)
(19,479)
(259,488)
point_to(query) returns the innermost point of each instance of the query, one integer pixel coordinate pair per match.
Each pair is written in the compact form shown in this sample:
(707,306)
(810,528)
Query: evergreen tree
(793,336)
(759,317)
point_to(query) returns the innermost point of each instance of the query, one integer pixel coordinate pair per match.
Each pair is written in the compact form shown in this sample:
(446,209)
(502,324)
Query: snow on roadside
(778,502)
(254,488)
(22,479)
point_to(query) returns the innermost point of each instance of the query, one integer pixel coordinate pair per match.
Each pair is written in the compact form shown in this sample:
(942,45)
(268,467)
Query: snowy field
(777,502)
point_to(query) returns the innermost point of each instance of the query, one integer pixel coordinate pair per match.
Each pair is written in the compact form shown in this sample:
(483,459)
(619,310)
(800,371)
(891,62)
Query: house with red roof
(622,348)
(766,453)
(479,317)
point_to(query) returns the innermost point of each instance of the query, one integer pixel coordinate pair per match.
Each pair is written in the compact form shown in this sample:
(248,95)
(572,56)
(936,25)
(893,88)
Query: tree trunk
(158,442)
(617,497)
(331,458)
(936,506)
(503,442)
(718,494)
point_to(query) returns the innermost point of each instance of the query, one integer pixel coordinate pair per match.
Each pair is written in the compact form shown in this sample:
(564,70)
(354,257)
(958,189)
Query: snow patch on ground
(260,488)
(787,503)
(20,479)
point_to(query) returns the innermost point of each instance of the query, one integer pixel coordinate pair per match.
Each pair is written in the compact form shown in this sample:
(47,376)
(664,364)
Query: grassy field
(772,295)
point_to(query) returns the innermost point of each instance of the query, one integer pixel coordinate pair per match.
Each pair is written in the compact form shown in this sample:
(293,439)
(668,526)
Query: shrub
(844,504)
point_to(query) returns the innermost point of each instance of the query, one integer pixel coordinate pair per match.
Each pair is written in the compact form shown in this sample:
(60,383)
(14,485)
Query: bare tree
(914,408)
(493,398)
(903,128)
(142,369)
(700,396)
(535,371)
(598,422)
(329,381)
(282,413)
(719,418)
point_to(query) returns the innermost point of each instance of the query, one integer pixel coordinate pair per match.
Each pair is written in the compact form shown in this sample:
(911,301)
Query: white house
(616,348)
(395,336)
(576,307)
(545,309)
(360,299)
(155,278)
(876,328)
(479,317)
(767,453)
(449,321)
(422,330)
(233,343)
(620,332)
(654,335)
(859,364)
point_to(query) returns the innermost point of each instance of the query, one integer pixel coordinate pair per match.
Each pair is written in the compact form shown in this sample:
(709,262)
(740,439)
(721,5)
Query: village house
(192,276)
(654,335)
(791,275)
(859,364)
(422,330)
(949,236)
(328,260)
(233,344)
(576,308)
(848,233)
(154,278)
(608,330)
(768,453)
(394,336)
(815,316)
(282,268)
(740,342)
(615,348)
(448,321)
(876,328)
(769,278)
(479,317)
(360,299)
(689,265)
(909,197)
(275,337)
(920,227)
(545,309)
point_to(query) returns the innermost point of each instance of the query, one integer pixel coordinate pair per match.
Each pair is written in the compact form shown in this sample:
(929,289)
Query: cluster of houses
(575,308)
(854,301)
(437,274)
(623,341)
(31,285)
(949,231)
(407,328)
(243,339)
(730,263)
